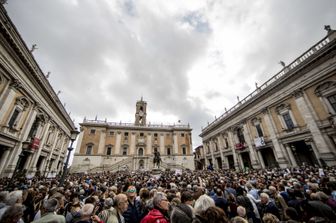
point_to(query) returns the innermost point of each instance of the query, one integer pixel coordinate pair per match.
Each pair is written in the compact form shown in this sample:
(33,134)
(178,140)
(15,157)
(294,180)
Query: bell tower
(140,114)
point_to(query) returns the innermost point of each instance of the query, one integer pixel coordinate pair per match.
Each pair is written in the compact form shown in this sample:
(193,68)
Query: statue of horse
(157,159)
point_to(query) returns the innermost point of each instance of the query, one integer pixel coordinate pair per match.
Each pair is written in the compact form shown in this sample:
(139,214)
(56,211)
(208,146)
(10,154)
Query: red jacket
(154,216)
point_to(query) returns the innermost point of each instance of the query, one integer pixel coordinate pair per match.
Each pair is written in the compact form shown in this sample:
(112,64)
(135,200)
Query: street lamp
(73,137)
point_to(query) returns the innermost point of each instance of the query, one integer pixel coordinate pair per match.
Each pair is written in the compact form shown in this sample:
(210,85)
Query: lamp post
(73,137)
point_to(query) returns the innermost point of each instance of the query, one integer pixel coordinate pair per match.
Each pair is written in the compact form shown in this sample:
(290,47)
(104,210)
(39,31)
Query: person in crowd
(13,214)
(266,206)
(133,213)
(108,211)
(48,213)
(88,215)
(183,212)
(270,218)
(159,214)
(201,205)
(215,215)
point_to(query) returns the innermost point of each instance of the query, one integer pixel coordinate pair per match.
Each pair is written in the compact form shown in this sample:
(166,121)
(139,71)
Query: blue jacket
(132,215)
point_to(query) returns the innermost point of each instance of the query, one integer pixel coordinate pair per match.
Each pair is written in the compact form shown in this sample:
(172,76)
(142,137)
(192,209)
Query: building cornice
(28,64)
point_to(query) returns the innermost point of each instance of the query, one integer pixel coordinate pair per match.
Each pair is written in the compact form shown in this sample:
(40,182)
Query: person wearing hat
(132,215)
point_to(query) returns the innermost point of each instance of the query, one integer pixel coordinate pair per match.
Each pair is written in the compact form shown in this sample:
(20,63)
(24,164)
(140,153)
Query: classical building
(34,126)
(287,121)
(109,146)
(199,158)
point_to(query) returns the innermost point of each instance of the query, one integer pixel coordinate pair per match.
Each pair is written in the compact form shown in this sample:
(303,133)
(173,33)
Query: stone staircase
(121,165)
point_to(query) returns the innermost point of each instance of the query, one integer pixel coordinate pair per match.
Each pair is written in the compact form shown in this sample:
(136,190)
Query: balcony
(31,144)
(240,146)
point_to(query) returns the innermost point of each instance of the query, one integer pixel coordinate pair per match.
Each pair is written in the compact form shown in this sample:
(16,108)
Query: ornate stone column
(253,155)
(283,163)
(118,143)
(307,112)
(102,142)
(231,140)
(212,147)
(290,155)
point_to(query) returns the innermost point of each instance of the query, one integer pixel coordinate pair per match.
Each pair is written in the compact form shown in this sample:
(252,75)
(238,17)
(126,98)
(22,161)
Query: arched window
(184,151)
(124,153)
(140,152)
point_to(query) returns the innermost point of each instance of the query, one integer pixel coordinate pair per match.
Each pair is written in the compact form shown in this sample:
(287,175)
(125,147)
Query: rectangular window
(109,151)
(126,134)
(155,134)
(226,143)
(184,151)
(88,150)
(332,101)
(182,134)
(288,120)
(111,133)
(92,131)
(12,120)
(259,130)
(141,134)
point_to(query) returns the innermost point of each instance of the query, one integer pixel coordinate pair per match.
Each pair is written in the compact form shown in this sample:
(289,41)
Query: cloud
(188,59)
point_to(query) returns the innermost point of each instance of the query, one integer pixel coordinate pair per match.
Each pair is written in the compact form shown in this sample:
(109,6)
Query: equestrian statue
(157,159)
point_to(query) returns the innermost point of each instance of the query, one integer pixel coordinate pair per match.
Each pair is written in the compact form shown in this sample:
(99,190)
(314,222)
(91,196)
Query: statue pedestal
(156,171)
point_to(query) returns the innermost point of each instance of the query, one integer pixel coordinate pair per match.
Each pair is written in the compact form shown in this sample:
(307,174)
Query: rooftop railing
(121,124)
(276,78)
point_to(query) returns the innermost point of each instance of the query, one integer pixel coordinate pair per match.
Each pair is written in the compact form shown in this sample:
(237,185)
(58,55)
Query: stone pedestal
(156,171)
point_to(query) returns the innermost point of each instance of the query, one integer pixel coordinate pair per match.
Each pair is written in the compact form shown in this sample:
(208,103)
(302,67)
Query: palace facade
(34,126)
(109,146)
(287,121)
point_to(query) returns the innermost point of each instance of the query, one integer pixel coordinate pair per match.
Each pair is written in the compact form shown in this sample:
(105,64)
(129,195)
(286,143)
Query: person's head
(241,211)
(3,196)
(121,202)
(270,218)
(238,219)
(87,210)
(160,201)
(291,213)
(14,197)
(144,193)
(264,198)
(12,214)
(203,203)
(108,203)
(272,189)
(187,197)
(215,214)
(59,197)
(131,192)
(50,205)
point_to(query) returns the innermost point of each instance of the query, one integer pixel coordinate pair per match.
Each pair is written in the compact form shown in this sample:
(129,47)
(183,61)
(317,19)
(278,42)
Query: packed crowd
(305,194)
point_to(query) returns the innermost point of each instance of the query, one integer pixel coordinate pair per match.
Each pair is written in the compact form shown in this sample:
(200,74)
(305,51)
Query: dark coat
(181,213)
(132,215)
(268,208)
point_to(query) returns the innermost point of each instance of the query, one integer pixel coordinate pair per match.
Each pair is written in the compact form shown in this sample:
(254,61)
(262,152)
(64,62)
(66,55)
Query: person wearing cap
(132,215)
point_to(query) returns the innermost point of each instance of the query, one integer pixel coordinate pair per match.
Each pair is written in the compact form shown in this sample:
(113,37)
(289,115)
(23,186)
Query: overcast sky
(188,59)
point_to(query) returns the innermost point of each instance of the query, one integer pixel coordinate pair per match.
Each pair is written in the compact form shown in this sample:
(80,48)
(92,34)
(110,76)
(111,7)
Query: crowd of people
(305,194)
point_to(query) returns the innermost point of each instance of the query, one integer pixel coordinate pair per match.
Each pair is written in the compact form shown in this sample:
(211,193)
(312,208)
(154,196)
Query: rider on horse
(157,159)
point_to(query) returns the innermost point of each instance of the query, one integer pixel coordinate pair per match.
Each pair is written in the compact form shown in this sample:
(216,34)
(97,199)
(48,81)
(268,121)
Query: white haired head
(203,203)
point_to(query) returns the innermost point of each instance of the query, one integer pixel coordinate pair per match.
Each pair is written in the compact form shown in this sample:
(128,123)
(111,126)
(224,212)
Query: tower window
(124,151)
(140,152)
(109,151)
(89,150)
